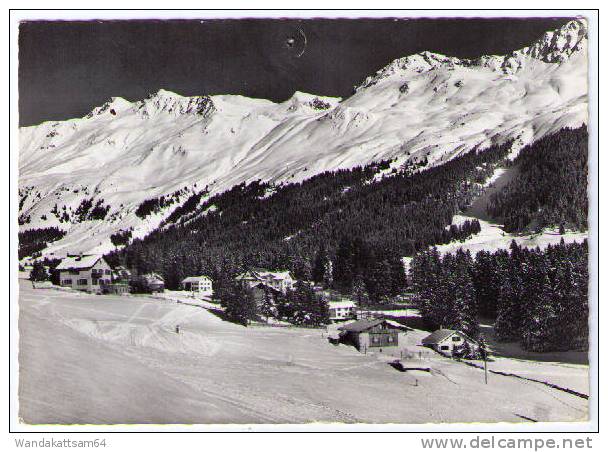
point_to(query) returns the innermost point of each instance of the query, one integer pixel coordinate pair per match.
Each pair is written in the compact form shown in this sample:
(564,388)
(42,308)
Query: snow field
(105,359)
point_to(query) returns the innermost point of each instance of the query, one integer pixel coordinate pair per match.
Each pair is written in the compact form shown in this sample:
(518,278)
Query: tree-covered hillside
(284,227)
(350,228)
(550,188)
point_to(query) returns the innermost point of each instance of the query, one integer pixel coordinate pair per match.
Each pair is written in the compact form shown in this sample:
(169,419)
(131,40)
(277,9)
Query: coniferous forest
(537,297)
(34,240)
(550,188)
(364,225)
(349,230)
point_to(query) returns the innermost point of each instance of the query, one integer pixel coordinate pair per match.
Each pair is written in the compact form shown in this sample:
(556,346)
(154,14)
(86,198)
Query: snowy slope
(422,106)
(217,372)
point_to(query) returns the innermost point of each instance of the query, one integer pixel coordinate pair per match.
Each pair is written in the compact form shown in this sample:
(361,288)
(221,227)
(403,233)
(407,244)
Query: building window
(445,347)
(82,282)
(455,339)
(108,272)
(66,282)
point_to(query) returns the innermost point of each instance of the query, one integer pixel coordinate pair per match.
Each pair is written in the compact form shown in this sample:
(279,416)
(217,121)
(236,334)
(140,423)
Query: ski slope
(424,106)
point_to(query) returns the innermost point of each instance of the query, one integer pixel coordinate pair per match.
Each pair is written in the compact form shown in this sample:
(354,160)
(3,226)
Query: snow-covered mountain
(421,107)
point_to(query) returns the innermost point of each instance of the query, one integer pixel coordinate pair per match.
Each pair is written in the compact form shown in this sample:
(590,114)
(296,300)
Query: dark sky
(67,68)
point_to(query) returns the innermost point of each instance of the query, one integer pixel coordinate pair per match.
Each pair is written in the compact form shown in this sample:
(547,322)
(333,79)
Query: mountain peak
(300,99)
(112,106)
(554,46)
(557,45)
(173,103)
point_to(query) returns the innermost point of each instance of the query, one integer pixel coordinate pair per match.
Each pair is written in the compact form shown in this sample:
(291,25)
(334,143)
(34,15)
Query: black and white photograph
(365,218)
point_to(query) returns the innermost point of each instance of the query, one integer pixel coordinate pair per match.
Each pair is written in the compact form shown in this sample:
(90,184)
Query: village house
(122,274)
(342,310)
(120,282)
(150,282)
(198,284)
(446,341)
(281,280)
(87,272)
(373,334)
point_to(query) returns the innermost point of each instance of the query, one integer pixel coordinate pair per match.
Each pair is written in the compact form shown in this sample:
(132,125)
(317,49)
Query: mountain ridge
(553,46)
(124,153)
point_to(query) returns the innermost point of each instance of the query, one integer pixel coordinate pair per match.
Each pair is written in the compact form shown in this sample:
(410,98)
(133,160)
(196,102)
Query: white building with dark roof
(87,272)
(342,310)
(445,341)
(199,284)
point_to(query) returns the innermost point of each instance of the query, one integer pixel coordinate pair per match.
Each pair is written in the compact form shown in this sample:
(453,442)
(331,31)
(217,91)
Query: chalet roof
(80,262)
(152,278)
(440,335)
(279,274)
(263,286)
(262,273)
(361,325)
(247,275)
(191,279)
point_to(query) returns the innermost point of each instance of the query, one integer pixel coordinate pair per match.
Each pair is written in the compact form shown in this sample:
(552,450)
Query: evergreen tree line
(34,240)
(463,231)
(550,188)
(258,224)
(360,270)
(537,297)
(155,205)
(300,306)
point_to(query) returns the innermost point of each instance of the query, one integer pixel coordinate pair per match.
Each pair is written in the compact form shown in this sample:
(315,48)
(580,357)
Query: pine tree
(319,311)
(301,268)
(426,274)
(539,319)
(464,308)
(267,307)
(487,281)
(239,304)
(398,277)
(319,265)
(360,294)
(302,306)
(284,306)
(510,306)
(380,283)
(39,272)
(569,273)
